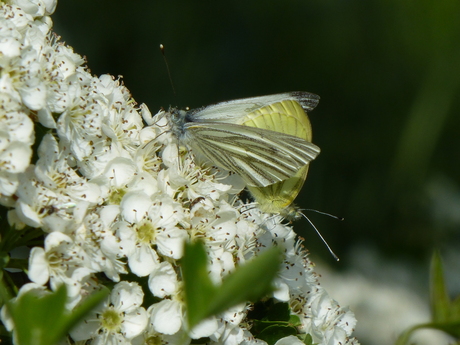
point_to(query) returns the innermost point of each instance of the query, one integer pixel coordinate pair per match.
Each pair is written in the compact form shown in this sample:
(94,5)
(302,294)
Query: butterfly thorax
(177,119)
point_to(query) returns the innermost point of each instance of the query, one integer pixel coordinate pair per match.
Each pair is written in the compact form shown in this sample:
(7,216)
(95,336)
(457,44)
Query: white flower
(168,317)
(51,194)
(98,240)
(150,336)
(117,320)
(115,198)
(150,221)
(16,138)
(115,178)
(61,261)
(229,334)
(38,7)
(325,320)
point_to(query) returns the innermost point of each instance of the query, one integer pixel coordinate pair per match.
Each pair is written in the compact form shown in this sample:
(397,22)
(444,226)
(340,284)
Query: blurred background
(388,73)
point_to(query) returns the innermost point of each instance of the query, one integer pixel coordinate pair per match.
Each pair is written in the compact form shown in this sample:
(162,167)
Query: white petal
(166,316)
(163,280)
(27,215)
(87,328)
(16,157)
(126,296)
(135,206)
(34,96)
(8,185)
(10,47)
(171,243)
(20,128)
(56,239)
(109,213)
(204,329)
(134,323)
(282,290)
(45,117)
(290,340)
(121,171)
(143,261)
(38,266)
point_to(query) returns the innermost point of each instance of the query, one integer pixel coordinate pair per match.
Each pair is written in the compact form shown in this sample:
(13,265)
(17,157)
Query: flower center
(111,320)
(116,196)
(153,340)
(146,232)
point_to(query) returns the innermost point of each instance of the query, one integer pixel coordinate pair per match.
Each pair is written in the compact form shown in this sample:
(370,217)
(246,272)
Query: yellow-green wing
(287,117)
(277,198)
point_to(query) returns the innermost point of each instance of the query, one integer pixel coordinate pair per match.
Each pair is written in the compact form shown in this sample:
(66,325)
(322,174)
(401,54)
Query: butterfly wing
(235,111)
(287,117)
(261,157)
(277,198)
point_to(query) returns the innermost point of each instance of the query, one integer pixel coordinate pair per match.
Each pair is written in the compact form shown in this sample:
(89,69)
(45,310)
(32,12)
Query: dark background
(388,73)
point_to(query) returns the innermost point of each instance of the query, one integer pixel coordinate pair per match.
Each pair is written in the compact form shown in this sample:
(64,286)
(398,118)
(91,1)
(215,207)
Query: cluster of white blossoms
(116,197)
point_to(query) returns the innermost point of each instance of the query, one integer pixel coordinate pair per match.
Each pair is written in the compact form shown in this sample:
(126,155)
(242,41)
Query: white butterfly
(260,156)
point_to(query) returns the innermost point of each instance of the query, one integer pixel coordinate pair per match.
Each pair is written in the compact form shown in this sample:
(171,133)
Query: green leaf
(455,308)
(279,312)
(248,283)
(308,340)
(445,314)
(199,289)
(84,309)
(275,332)
(294,320)
(37,319)
(268,313)
(43,319)
(438,293)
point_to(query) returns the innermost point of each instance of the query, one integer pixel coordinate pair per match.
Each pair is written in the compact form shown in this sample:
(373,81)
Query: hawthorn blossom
(115,197)
(119,319)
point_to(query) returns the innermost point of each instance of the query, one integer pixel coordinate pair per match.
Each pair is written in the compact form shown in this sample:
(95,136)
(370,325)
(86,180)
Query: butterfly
(266,140)
(285,117)
(252,137)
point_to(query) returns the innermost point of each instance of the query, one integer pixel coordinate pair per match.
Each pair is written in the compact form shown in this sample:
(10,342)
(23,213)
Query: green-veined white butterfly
(286,117)
(266,140)
(262,156)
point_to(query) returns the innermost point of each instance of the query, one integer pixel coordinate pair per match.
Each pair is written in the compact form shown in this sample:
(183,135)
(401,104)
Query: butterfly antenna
(324,213)
(162,49)
(321,236)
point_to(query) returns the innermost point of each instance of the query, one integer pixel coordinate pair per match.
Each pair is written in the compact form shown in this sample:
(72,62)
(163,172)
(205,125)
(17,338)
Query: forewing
(235,110)
(261,157)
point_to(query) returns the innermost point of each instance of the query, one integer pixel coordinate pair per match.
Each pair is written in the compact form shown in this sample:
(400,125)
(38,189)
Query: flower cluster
(115,197)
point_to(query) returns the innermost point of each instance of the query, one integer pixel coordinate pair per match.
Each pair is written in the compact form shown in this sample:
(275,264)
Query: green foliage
(273,321)
(445,312)
(43,319)
(248,283)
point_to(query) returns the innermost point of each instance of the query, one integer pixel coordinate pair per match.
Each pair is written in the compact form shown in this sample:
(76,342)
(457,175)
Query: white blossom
(117,320)
(115,197)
